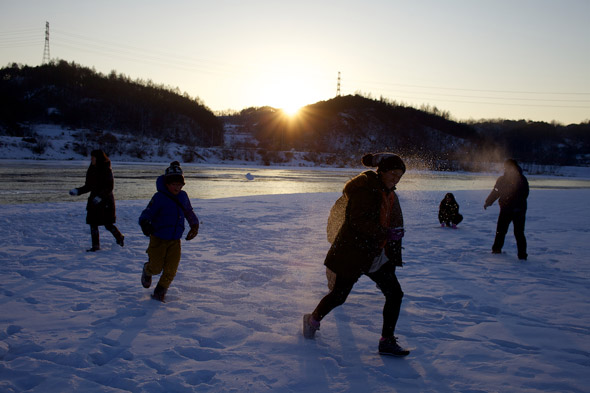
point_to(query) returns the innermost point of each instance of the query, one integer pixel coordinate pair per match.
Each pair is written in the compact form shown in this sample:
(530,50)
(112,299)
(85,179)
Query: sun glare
(288,95)
(291,99)
(291,110)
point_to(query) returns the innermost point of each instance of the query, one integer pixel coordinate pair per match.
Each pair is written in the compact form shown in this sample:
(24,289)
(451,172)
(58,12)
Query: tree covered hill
(332,132)
(78,97)
(350,125)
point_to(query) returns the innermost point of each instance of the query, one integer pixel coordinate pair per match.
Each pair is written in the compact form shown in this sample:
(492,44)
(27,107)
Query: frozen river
(25,181)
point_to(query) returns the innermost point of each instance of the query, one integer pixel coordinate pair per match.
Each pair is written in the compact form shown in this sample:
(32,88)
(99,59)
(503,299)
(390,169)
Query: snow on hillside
(50,142)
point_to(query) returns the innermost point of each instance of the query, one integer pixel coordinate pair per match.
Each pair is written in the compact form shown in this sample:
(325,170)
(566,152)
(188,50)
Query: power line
(498,98)
(20,38)
(131,53)
(80,43)
(477,90)
(576,100)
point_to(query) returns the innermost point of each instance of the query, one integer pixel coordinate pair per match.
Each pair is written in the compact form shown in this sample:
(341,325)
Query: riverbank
(50,143)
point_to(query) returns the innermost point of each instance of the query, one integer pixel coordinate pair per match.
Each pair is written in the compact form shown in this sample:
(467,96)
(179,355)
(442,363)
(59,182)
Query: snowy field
(73,321)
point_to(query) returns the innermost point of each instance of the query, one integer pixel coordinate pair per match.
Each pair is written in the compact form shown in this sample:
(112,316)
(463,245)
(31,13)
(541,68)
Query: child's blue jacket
(167,212)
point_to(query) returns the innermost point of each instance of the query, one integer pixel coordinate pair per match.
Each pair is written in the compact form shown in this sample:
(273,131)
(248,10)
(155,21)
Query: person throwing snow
(369,243)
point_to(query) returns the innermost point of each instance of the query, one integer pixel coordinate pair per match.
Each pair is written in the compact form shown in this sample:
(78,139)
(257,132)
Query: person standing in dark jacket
(163,221)
(512,191)
(448,212)
(368,242)
(100,209)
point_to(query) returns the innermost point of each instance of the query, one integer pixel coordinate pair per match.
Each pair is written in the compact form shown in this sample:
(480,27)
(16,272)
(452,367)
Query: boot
(146,279)
(159,293)
(389,346)
(119,238)
(95,239)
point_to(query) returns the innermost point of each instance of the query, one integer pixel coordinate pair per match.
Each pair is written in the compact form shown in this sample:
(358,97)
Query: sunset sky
(477,59)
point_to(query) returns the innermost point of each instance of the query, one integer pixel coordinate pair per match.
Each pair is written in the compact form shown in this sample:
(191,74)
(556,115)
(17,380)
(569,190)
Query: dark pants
(96,237)
(448,219)
(518,218)
(387,281)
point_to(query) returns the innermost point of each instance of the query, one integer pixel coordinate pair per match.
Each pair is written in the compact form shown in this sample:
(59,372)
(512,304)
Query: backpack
(335,221)
(336,218)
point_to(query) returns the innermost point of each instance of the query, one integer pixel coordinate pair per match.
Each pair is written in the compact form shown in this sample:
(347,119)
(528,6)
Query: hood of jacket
(367,179)
(161,185)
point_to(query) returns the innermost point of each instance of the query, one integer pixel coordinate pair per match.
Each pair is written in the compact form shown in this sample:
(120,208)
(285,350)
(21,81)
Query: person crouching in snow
(163,221)
(100,209)
(448,212)
(369,242)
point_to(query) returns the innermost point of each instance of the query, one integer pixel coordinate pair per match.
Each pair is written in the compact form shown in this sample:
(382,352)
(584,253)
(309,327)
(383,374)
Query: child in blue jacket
(163,221)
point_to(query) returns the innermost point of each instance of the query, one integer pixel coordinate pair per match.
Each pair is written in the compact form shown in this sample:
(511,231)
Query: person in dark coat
(163,221)
(448,211)
(369,243)
(512,191)
(100,209)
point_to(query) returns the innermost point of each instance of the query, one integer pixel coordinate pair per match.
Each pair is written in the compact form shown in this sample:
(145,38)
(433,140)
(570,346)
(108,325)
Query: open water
(26,181)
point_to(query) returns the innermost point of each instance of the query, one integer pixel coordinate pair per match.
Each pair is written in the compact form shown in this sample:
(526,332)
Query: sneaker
(496,251)
(310,326)
(121,241)
(146,279)
(93,249)
(522,257)
(389,346)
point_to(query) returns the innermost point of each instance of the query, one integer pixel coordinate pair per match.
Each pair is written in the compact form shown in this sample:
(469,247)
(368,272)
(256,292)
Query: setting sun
(291,110)
(289,95)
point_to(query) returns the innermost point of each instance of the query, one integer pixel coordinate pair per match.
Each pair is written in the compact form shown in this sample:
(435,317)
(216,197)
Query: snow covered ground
(475,322)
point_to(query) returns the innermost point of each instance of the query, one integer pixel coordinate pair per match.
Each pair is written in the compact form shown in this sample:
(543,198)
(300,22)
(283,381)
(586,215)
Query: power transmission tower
(46,57)
(338,86)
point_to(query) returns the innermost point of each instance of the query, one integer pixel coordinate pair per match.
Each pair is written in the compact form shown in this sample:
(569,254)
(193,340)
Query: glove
(96,200)
(146,227)
(74,192)
(394,234)
(193,232)
(485,206)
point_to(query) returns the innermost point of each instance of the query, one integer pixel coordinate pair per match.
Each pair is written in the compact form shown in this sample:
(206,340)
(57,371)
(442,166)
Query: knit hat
(384,161)
(174,173)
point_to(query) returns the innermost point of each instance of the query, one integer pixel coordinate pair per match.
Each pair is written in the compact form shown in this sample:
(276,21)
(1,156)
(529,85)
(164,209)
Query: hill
(348,126)
(142,120)
(80,98)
